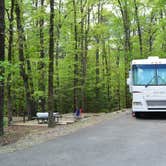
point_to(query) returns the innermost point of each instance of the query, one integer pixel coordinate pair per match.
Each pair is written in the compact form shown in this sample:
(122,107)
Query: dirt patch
(15,133)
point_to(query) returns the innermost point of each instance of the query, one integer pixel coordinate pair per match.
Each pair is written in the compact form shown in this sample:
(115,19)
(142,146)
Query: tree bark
(151,33)
(163,29)
(138,26)
(58,35)
(118,79)
(42,101)
(10,51)
(83,57)
(127,47)
(2,58)
(87,28)
(75,57)
(108,74)
(23,73)
(51,67)
(97,89)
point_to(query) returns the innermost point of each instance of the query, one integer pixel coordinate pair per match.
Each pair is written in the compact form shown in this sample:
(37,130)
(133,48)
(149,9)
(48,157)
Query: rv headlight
(137,104)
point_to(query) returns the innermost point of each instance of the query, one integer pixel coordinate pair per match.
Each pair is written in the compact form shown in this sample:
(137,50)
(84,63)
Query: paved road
(122,141)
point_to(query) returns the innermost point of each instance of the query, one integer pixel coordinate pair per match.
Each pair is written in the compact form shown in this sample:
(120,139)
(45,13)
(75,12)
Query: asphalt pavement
(122,141)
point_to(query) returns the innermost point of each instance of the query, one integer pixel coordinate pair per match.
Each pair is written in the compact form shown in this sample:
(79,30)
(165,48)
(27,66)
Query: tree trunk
(51,67)
(23,73)
(42,101)
(127,47)
(97,89)
(58,35)
(138,26)
(31,85)
(163,29)
(83,56)
(151,33)
(2,58)
(10,51)
(75,57)
(108,74)
(87,27)
(118,79)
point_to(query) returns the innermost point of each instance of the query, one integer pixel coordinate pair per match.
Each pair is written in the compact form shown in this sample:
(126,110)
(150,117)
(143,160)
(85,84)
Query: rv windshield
(147,75)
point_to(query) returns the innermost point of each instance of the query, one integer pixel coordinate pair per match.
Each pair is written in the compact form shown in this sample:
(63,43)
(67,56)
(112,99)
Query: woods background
(64,54)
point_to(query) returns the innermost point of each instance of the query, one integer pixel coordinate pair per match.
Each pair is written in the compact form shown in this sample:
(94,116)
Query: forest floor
(18,137)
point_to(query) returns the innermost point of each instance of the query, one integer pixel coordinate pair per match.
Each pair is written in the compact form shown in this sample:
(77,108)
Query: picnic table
(42,117)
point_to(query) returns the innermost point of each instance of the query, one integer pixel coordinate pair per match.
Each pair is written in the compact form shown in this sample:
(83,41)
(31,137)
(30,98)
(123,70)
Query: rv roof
(149,60)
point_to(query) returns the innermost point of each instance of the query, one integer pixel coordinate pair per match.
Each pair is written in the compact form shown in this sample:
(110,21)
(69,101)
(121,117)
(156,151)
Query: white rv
(147,83)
